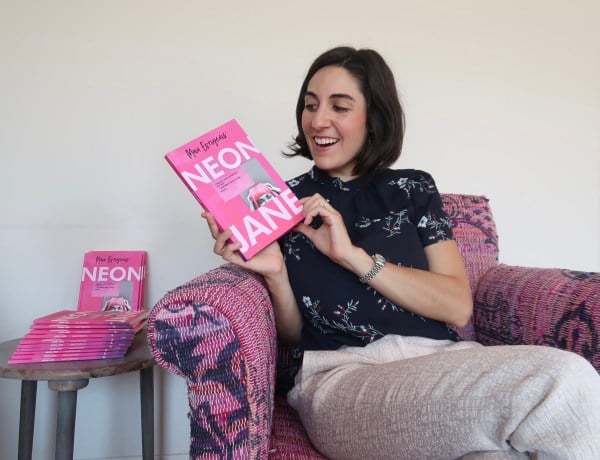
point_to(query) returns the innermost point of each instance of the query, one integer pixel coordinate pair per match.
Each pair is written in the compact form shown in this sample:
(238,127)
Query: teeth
(325,141)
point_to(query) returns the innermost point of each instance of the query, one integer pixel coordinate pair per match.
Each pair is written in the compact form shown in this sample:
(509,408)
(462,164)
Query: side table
(66,378)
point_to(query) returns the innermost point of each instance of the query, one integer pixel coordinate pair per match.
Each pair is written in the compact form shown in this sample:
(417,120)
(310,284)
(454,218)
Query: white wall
(502,99)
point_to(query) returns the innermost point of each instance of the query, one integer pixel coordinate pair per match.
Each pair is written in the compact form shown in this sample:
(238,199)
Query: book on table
(109,314)
(90,321)
(112,281)
(232,179)
(57,356)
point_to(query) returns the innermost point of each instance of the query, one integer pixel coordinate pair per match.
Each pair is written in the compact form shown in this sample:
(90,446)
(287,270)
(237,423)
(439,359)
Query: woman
(369,285)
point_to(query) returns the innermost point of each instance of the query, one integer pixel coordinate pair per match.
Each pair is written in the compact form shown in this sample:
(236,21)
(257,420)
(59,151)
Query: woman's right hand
(268,262)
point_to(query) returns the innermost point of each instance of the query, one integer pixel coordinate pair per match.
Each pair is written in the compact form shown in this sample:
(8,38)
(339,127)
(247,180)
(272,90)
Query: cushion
(540,306)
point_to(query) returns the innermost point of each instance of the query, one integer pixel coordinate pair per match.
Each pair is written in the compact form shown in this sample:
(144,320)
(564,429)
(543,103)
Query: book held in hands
(232,179)
(109,313)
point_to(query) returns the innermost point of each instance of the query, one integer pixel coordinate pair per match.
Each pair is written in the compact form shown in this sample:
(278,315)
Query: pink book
(29,340)
(112,281)
(65,352)
(49,333)
(25,344)
(232,179)
(21,358)
(70,350)
(91,320)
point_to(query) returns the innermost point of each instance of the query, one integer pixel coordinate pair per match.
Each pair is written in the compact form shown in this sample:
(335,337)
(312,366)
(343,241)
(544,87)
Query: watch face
(379,258)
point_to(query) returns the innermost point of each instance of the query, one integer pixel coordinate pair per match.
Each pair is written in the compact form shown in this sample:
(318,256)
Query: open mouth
(325,141)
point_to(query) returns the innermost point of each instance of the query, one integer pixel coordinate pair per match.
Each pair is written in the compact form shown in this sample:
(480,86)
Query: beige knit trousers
(414,398)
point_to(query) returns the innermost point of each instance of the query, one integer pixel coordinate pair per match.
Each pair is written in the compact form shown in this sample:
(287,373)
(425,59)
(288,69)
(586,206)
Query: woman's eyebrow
(332,96)
(341,96)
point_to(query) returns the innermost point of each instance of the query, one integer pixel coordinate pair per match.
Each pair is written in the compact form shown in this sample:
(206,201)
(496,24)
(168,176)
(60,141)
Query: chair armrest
(217,331)
(541,306)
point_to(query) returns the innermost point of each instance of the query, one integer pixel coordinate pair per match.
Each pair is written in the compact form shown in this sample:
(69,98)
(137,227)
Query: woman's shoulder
(407,179)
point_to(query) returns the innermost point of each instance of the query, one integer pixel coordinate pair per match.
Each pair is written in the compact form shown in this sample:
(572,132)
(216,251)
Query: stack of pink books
(70,335)
(109,313)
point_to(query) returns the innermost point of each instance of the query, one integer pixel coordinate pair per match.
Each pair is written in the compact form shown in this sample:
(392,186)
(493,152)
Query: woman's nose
(320,118)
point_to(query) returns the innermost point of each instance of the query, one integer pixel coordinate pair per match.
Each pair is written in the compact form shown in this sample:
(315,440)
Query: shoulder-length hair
(385,116)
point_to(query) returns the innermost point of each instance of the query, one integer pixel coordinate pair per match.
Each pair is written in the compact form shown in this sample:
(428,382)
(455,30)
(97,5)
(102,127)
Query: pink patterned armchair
(217,332)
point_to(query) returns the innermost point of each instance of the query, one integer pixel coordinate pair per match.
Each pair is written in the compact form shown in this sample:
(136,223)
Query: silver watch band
(379,263)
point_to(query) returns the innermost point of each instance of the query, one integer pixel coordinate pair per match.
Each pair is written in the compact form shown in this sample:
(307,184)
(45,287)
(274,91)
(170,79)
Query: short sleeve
(431,220)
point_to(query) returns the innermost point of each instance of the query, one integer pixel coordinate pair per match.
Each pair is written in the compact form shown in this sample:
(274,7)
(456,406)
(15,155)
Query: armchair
(217,331)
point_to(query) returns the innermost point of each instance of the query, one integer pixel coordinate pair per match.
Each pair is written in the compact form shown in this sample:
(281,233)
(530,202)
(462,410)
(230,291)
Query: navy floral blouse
(395,213)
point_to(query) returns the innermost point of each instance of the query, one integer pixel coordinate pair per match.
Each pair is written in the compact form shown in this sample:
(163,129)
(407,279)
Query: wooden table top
(138,357)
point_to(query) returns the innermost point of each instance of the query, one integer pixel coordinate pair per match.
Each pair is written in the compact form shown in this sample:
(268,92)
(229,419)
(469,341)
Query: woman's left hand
(331,238)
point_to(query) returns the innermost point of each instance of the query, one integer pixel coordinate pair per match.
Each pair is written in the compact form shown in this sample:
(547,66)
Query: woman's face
(334,120)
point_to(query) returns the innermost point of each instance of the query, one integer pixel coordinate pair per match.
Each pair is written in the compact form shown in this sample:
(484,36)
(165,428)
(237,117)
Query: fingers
(316,205)
(223,246)
(315,201)
(212,224)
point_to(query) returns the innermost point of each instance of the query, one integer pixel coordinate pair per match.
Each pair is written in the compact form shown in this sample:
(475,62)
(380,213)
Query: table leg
(147,410)
(27,418)
(65,417)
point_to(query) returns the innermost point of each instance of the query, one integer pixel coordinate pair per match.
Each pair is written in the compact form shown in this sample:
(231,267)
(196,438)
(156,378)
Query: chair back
(474,230)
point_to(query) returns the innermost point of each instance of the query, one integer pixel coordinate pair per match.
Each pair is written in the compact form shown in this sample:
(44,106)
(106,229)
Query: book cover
(232,179)
(112,281)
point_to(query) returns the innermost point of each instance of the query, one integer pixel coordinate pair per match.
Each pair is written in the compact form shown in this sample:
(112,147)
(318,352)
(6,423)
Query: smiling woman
(372,276)
(384,129)
(334,121)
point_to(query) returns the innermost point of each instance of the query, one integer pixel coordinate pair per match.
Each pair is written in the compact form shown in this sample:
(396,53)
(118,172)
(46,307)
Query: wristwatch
(379,263)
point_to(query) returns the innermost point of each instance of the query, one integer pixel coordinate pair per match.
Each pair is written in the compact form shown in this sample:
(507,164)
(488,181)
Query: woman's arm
(288,318)
(270,264)
(442,293)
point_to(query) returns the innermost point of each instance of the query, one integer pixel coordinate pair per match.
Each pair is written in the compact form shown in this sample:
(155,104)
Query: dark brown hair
(385,116)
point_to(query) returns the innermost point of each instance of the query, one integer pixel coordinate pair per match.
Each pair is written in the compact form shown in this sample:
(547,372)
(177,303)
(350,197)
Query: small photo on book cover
(263,188)
(250,183)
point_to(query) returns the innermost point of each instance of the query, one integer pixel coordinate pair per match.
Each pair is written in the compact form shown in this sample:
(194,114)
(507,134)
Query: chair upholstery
(217,331)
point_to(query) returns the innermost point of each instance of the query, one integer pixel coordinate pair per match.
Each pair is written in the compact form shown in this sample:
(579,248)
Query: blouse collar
(321,177)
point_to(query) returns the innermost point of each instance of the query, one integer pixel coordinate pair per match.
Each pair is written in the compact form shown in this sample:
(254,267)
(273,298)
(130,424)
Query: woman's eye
(310,107)
(339,108)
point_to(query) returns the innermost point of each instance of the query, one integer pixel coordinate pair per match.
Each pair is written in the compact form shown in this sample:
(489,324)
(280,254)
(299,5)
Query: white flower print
(365,222)
(290,248)
(403,183)
(366,332)
(438,225)
(393,223)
